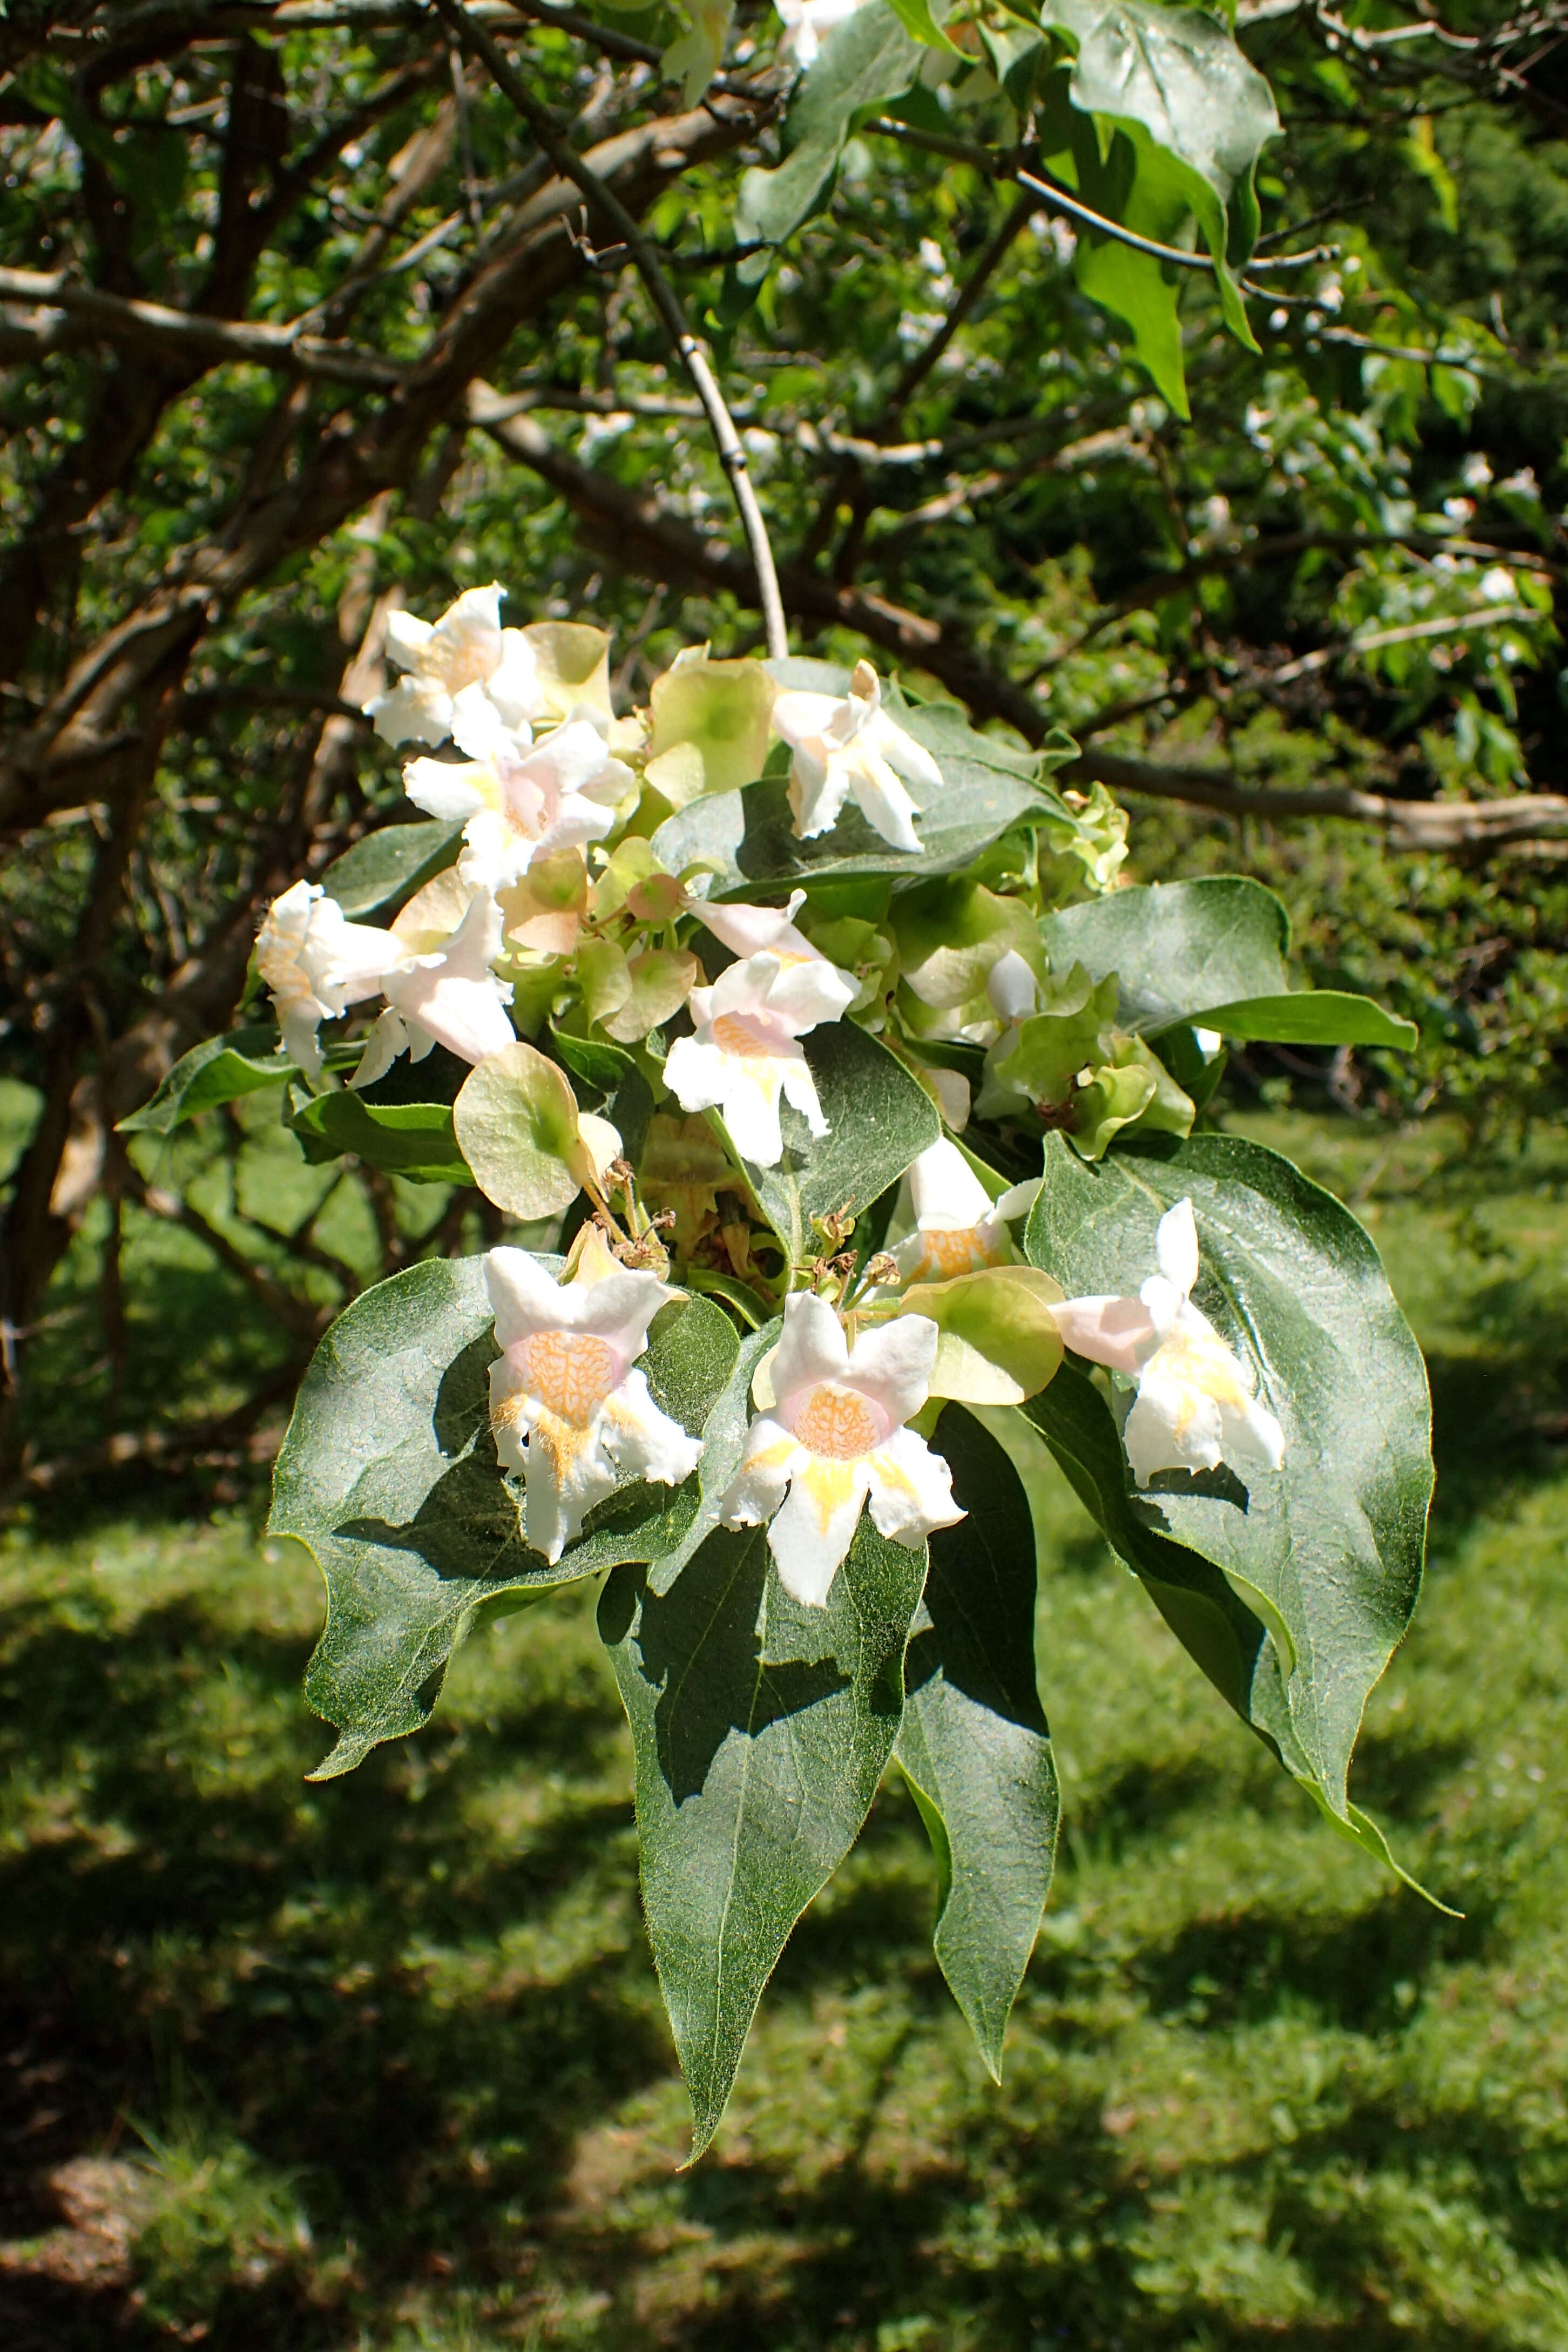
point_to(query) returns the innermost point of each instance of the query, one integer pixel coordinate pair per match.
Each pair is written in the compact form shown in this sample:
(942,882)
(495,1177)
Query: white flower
(316,963)
(751,930)
(745,1051)
(835,1436)
(515,799)
(568,1407)
(959,1229)
(806,22)
(1012,987)
(448,997)
(849,745)
(1194,1406)
(466,647)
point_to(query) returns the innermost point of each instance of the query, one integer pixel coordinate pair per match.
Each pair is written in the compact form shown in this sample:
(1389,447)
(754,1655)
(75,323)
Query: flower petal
(944,1189)
(758,1486)
(1177,1247)
(812,1347)
(524,1296)
(647,1443)
(882,800)
(911,1489)
(1111,1330)
(893,1363)
(902,752)
(811,1534)
(450,789)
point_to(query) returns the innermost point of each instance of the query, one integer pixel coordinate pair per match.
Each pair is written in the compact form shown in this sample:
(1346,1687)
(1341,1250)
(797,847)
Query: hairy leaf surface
(761,1729)
(973,1743)
(1211,951)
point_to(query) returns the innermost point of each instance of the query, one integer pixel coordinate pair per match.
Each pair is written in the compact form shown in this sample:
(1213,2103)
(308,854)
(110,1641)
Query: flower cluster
(557,910)
(548,774)
(572,1413)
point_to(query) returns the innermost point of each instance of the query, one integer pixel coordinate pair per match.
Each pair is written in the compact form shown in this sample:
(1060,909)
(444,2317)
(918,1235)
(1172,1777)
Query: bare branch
(1412,824)
(644,254)
(644,537)
(67,313)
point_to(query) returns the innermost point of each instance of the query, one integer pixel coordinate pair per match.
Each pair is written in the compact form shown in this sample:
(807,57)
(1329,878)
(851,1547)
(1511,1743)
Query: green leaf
(761,1729)
(388,1475)
(219,1070)
(973,1743)
(601,1066)
(862,64)
(747,838)
(1211,953)
(880,1118)
(1179,78)
(413,1139)
(918,20)
(1327,1550)
(391,864)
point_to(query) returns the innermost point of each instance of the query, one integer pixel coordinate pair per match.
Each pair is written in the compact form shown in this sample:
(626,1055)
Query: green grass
(380,2065)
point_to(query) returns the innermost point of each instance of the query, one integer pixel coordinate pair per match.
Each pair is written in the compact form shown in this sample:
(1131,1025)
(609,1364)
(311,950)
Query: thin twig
(566,160)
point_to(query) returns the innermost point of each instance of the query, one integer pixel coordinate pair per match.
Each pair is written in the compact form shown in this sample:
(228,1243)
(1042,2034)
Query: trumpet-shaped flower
(316,963)
(1195,1405)
(806,987)
(745,1051)
(836,1436)
(568,1406)
(518,799)
(846,745)
(465,648)
(804,24)
(449,996)
(959,1229)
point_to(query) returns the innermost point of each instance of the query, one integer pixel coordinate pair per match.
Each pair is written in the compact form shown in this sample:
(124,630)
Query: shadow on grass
(272,1943)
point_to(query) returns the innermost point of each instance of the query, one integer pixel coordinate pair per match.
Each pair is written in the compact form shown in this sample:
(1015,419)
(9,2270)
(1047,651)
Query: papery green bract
(1327,1550)
(761,1729)
(973,1743)
(709,730)
(389,1476)
(219,1070)
(1000,1342)
(517,1123)
(1211,951)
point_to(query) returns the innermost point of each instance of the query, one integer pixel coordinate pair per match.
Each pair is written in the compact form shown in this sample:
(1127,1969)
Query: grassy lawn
(382,2064)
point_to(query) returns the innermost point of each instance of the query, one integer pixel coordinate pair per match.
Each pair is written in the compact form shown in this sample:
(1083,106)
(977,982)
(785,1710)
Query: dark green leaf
(595,1061)
(1326,1551)
(863,62)
(761,1729)
(391,865)
(880,1118)
(413,1139)
(1212,952)
(973,1742)
(1176,77)
(389,1476)
(219,1070)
